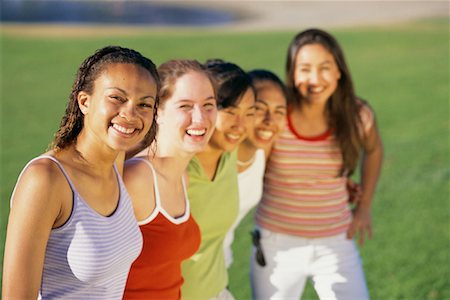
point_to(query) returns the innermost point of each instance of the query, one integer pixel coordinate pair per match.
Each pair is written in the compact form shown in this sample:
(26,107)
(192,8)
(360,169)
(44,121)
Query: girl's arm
(370,171)
(36,205)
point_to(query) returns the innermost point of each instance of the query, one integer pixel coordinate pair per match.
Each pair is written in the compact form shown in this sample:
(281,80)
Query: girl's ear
(83,102)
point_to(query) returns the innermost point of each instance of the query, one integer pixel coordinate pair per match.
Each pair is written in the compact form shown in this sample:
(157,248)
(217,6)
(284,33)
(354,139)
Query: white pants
(333,264)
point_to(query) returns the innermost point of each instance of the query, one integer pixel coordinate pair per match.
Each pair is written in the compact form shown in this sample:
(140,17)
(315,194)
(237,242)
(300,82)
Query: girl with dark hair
(213,187)
(305,221)
(157,184)
(71,232)
(270,115)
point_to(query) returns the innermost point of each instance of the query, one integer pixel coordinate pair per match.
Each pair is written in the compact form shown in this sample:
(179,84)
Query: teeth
(123,129)
(265,134)
(196,132)
(233,136)
(316,89)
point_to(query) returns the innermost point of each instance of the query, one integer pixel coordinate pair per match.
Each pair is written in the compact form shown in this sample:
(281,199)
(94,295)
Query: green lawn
(403,71)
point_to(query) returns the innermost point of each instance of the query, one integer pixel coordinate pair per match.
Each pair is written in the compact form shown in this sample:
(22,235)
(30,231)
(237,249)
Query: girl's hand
(354,192)
(361,224)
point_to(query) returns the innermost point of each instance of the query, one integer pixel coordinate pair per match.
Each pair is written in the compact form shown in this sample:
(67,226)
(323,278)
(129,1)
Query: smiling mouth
(123,130)
(233,137)
(316,90)
(196,132)
(264,134)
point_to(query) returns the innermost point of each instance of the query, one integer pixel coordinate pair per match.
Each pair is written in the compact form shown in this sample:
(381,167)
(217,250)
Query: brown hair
(343,106)
(171,70)
(72,121)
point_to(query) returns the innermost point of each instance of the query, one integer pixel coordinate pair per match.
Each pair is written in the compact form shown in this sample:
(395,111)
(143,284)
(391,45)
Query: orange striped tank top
(303,194)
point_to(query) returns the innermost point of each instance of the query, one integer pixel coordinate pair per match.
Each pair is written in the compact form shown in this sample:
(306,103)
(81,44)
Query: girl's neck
(309,120)
(312,111)
(246,155)
(210,155)
(171,167)
(169,160)
(209,159)
(98,160)
(246,149)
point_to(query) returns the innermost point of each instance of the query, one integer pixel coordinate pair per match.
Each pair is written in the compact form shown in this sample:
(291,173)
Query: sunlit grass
(402,71)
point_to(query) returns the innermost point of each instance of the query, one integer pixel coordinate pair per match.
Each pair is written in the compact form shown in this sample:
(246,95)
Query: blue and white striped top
(89,257)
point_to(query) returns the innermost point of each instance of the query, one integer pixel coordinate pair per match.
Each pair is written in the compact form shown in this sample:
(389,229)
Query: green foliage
(403,71)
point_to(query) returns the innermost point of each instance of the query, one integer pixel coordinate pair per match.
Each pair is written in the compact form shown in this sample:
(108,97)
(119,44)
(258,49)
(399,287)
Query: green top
(214,206)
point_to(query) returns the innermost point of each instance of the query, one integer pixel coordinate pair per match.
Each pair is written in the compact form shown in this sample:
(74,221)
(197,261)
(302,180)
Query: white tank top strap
(155,180)
(183,218)
(72,187)
(158,207)
(119,177)
(186,197)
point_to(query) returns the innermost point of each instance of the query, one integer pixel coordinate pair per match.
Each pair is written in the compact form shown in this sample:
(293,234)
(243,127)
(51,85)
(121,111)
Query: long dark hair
(72,121)
(343,107)
(261,75)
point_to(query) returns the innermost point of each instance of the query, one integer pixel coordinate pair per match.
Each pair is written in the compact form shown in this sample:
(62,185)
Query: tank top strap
(119,177)
(186,197)
(72,186)
(60,166)
(155,180)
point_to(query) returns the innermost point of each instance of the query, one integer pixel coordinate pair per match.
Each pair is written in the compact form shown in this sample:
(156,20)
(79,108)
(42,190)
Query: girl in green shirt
(213,187)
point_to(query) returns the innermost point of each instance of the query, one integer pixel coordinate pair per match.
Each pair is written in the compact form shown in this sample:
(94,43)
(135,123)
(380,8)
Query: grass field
(403,71)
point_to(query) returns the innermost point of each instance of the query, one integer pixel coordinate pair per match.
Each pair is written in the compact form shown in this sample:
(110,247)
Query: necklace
(246,163)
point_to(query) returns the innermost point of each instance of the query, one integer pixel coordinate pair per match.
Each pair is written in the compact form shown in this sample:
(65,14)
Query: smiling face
(120,110)
(316,73)
(234,122)
(270,114)
(186,119)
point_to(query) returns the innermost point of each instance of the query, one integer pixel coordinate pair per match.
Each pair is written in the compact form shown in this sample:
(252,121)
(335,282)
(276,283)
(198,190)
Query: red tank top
(156,273)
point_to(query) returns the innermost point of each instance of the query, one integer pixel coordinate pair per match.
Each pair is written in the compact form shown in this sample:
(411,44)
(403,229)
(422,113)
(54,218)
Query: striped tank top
(156,273)
(303,194)
(89,257)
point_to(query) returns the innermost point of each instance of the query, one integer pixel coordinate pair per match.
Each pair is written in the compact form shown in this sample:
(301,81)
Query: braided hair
(91,68)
